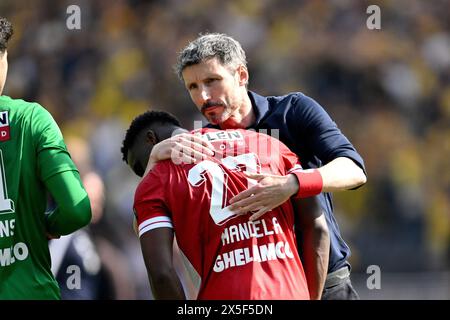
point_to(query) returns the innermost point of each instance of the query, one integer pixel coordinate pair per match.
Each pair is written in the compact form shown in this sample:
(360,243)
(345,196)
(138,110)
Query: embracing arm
(271,190)
(315,131)
(314,242)
(157,250)
(181,148)
(341,174)
(342,168)
(338,175)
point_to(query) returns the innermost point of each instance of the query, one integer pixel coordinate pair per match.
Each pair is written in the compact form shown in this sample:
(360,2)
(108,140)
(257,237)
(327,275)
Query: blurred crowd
(388,90)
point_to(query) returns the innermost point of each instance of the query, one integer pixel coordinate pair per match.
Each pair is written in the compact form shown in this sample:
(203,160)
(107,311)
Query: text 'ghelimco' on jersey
(235,258)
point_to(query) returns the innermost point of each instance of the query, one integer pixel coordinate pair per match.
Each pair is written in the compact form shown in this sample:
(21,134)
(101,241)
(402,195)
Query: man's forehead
(206,65)
(204,69)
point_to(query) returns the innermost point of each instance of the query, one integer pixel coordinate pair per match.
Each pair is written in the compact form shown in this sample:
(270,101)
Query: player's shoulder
(224,133)
(21,107)
(11,102)
(158,173)
(155,181)
(265,141)
(220,135)
(295,101)
(287,99)
(204,130)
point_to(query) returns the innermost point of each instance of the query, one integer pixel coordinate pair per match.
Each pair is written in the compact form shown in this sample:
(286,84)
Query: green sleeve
(73,206)
(48,139)
(60,175)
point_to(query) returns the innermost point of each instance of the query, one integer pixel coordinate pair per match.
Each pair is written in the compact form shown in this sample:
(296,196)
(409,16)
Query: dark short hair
(6,31)
(144,121)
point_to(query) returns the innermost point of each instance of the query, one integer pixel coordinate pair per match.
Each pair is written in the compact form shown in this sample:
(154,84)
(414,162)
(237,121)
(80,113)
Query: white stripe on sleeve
(153,223)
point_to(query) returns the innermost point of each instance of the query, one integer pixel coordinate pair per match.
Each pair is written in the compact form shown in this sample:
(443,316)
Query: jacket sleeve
(313,127)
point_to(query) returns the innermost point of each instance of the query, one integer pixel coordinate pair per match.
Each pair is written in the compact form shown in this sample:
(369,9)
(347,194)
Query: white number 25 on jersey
(219,210)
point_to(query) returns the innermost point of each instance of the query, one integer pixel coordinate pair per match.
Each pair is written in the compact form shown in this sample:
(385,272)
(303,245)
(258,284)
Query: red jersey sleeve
(150,202)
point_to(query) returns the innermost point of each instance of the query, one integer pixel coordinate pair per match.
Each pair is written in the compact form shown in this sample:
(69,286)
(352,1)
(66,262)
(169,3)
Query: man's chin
(214,121)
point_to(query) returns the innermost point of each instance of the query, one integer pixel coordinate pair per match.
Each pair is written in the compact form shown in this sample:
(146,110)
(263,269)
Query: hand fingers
(247,203)
(183,158)
(199,155)
(255,176)
(254,206)
(184,149)
(181,154)
(201,140)
(243,195)
(258,214)
(192,138)
(195,145)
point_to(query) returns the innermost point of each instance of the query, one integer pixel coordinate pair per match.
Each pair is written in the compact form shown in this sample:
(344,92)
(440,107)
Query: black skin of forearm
(313,243)
(167,286)
(157,250)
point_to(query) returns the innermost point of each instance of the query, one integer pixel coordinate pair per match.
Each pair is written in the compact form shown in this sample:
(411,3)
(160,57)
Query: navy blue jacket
(306,128)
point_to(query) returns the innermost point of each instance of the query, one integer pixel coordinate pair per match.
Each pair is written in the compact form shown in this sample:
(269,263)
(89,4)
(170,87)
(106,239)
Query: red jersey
(235,258)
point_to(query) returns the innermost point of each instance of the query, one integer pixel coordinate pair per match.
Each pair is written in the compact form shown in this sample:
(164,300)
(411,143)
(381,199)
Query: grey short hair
(208,46)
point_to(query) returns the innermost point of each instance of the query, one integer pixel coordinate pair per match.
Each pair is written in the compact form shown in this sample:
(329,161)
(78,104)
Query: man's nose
(205,95)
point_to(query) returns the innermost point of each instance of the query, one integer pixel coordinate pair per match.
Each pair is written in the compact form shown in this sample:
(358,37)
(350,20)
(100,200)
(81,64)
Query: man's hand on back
(269,192)
(182,148)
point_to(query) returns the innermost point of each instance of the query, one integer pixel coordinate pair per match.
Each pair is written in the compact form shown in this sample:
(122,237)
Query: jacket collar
(260,106)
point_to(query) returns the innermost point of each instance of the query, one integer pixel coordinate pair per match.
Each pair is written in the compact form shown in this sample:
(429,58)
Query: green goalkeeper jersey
(31,146)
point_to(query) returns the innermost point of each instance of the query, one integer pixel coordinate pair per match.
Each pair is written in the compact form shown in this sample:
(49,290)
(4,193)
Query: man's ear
(151,137)
(243,75)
